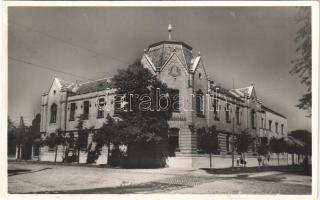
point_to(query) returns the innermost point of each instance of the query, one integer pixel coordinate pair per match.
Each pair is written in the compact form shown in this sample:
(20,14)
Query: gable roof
(272,111)
(195,63)
(245,91)
(92,86)
(225,91)
(65,84)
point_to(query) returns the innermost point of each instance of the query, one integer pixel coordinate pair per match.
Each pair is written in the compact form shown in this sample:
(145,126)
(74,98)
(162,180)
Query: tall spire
(21,125)
(169,30)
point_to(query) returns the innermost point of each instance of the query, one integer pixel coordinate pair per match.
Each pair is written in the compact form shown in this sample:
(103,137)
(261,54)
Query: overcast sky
(252,44)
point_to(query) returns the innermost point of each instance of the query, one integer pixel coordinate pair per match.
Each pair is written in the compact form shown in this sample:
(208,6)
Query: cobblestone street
(50,178)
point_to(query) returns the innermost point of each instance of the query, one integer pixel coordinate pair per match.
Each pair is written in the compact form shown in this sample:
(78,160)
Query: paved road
(49,178)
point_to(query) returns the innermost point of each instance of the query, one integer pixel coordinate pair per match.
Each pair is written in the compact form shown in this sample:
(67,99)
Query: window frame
(270,125)
(100,109)
(215,105)
(253,119)
(174,100)
(86,104)
(238,115)
(72,111)
(53,118)
(117,104)
(228,112)
(200,104)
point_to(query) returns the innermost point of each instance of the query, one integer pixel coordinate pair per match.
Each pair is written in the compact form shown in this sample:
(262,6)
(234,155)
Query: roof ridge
(93,81)
(241,88)
(275,112)
(63,80)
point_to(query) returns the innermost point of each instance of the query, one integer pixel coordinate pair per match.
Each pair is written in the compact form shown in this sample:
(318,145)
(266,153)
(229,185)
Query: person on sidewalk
(242,162)
(238,161)
(259,160)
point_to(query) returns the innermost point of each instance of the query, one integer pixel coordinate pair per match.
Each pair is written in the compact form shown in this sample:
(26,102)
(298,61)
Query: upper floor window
(174,99)
(199,104)
(101,104)
(216,108)
(238,115)
(86,110)
(253,119)
(282,127)
(117,104)
(262,123)
(228,113)
(72,111)
(276,127)
(53,113)
(270,125)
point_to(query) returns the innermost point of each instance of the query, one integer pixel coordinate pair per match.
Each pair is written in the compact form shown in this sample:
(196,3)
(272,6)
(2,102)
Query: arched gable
(175,60)
(55,87)
(147,63)
(200,79)
(198,65)
(174,74)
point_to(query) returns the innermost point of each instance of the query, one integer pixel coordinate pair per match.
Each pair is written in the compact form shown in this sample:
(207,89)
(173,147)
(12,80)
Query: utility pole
(232,142)
(232,131)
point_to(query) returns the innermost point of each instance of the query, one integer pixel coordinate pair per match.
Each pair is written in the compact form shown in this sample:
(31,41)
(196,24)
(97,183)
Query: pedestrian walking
(259,160)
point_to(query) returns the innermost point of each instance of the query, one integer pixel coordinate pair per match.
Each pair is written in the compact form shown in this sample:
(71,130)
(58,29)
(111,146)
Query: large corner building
(231,111)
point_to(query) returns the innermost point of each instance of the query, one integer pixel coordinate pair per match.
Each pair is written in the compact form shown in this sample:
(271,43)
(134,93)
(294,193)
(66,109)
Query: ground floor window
(83,140)
(36,150)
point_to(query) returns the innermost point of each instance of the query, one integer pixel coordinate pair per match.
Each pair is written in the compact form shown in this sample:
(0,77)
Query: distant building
(206,103)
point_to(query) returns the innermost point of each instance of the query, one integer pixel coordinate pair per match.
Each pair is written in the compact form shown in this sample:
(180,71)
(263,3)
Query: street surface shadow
(162,185)
(145,188)
(269,178)
(14,172)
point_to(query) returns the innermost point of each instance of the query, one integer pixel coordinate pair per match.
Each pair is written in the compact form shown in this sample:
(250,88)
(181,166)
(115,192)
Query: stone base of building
(225,161)
(181,160)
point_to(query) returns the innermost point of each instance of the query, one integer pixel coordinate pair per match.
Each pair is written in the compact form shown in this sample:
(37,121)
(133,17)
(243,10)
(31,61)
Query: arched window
(53,111)
(199,104)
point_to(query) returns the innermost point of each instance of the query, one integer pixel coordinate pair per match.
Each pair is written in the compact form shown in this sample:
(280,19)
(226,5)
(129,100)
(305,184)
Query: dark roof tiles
(160,52)
(93,86)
